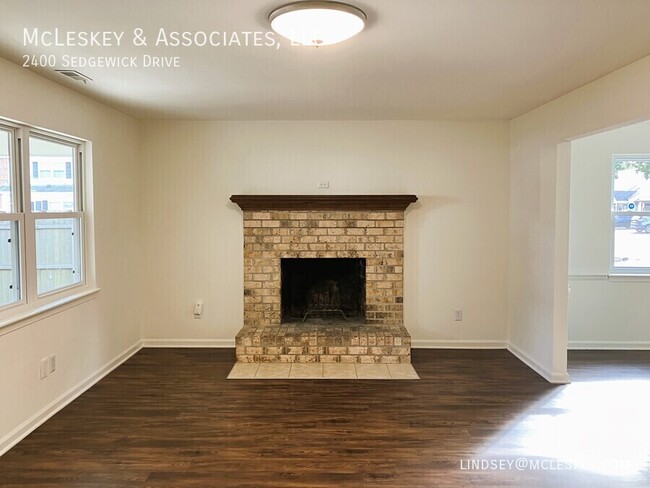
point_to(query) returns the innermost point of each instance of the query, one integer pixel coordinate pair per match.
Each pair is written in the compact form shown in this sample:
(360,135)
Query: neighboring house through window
(42,219)
(630,214)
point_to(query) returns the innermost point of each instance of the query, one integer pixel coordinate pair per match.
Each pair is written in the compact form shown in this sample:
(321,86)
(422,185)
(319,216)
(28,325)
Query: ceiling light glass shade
(317,23)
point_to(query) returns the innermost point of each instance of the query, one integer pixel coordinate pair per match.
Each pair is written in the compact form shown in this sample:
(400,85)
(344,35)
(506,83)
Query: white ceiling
(417,59)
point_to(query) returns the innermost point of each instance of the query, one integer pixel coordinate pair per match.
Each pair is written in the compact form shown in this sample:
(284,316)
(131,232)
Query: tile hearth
(322,371)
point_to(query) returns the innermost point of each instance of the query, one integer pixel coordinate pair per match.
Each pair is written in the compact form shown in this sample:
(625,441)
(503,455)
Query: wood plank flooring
(169,418)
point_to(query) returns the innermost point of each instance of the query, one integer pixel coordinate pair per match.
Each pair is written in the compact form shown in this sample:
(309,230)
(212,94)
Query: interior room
(371,243)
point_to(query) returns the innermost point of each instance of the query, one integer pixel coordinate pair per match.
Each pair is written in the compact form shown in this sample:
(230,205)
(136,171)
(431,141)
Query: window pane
(631,212)
(6,200)
(9,263)
(58,253)
(51,157)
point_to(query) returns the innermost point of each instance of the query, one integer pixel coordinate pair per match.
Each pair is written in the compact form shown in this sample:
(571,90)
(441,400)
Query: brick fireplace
(323,279)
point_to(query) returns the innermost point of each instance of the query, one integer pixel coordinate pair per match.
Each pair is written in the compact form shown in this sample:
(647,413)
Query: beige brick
(348,359)
(379,350)
(366,223)
(271,223)
(389,359)
(355,247)
(274,350)
(286,358)
(299,247)
(271,239)
(375,247)
(390,239)
(327,223)
(328,358)
(369,359)
(245,358)
(306,358)
(337,350)
(328,239)
(357,350)
(308,239)
(400,351)
(266,358)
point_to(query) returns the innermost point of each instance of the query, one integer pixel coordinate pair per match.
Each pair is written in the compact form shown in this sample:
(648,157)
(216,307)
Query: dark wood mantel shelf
(323,202)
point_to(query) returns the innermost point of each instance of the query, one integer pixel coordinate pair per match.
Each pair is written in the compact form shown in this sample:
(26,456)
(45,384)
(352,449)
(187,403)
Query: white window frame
(623,270)
(31,302)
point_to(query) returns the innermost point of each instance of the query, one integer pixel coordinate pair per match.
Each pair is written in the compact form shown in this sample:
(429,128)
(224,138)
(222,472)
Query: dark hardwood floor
(169,418)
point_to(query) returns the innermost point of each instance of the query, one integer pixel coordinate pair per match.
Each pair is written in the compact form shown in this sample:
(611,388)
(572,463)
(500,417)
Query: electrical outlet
(323,185)
(198,309)
(458,315)
(51,364)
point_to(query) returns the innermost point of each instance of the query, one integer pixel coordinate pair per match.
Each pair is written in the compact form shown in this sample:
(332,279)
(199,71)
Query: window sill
(629,277)
(620,277)
(22,319)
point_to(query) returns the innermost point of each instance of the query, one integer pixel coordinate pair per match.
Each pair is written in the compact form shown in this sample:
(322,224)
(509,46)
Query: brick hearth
(324,343)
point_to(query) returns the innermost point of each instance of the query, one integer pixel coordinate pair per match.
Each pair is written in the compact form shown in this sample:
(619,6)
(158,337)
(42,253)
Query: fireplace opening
(327,288)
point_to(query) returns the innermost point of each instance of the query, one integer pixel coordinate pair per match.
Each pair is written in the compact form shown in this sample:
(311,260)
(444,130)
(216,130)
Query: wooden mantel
(323,202)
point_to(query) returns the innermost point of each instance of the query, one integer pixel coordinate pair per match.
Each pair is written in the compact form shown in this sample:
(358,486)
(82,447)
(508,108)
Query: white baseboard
(457,344)
(551,377)
(188,342)
(32,423)
(610,345)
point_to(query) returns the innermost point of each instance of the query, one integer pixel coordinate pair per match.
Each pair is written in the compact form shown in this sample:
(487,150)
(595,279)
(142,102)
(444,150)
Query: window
(41,222)
(630,214)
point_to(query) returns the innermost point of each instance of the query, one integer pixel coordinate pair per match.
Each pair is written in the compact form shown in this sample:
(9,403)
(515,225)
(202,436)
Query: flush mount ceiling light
(312,23)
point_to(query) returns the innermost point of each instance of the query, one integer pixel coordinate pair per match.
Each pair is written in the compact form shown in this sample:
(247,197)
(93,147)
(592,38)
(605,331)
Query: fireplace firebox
(325,288)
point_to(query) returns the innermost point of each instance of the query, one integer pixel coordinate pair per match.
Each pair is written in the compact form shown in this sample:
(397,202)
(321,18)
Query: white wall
(603,313)
(456,235)
(90,334)
(539,207)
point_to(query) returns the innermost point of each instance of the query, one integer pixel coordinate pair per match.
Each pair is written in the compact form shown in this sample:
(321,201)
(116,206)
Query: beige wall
(455,236)
(91,334)
(603,313)
(539,207)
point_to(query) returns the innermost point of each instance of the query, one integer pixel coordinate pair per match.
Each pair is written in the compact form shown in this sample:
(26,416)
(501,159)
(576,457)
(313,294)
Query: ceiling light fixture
(311,23)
